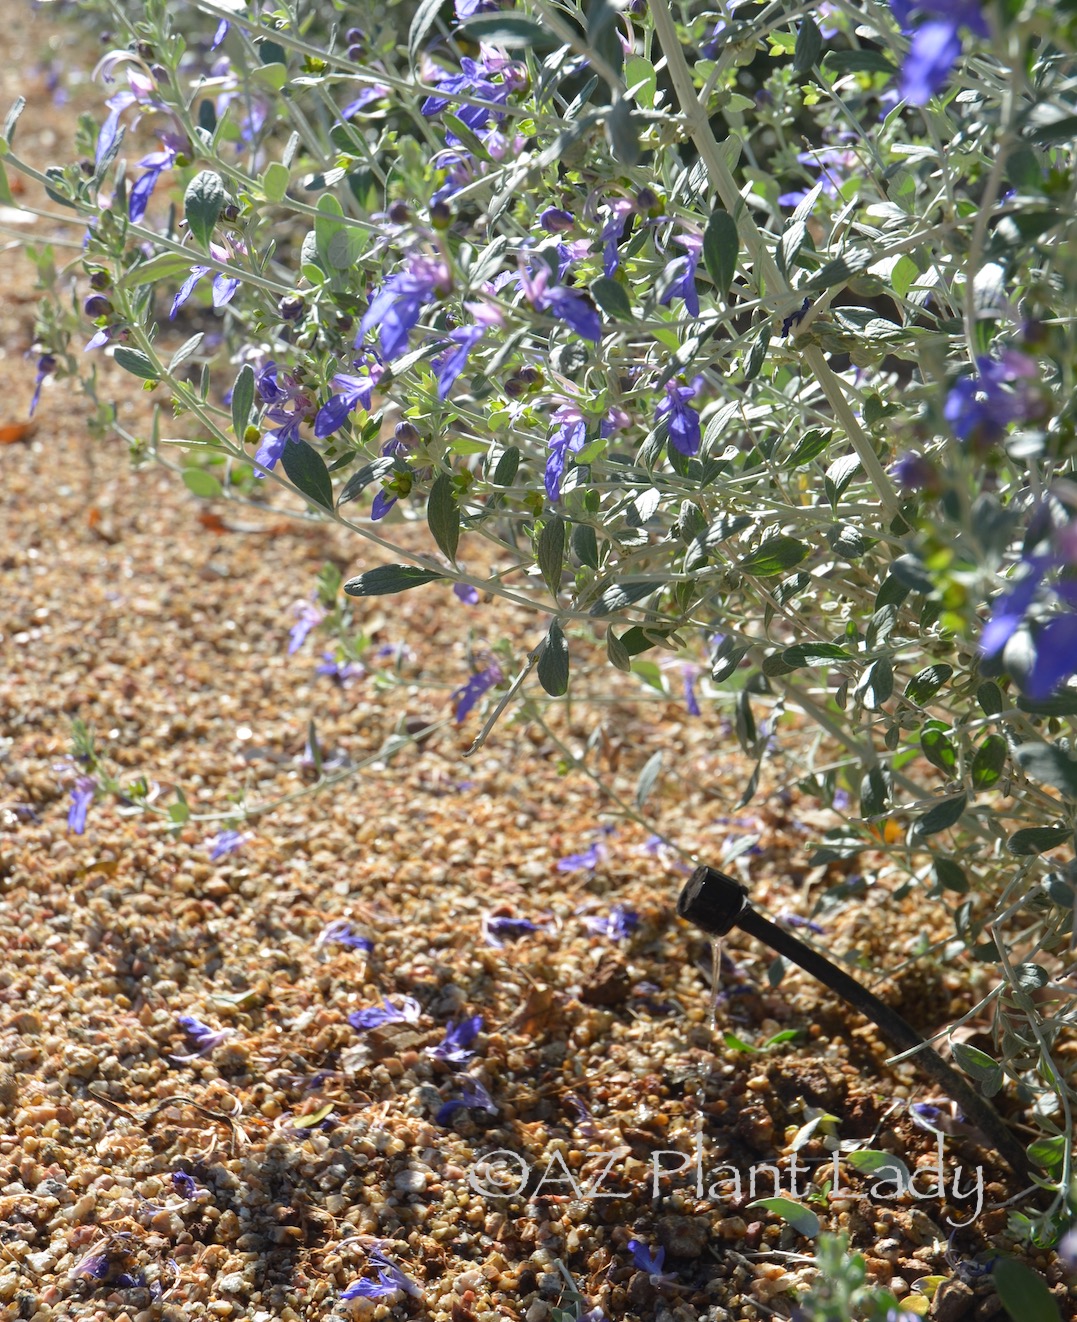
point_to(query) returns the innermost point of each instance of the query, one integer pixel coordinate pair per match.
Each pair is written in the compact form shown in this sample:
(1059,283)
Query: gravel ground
(260,1157)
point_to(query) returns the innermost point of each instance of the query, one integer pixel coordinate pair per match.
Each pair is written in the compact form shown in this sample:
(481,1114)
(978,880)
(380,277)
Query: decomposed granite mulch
(431,1043)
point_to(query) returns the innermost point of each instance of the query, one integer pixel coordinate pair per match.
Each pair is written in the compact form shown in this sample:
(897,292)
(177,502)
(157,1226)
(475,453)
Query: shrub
(742,338)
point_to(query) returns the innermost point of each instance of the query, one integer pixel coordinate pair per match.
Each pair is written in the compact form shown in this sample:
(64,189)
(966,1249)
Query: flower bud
(440,215)
(355,53)
(648,201)
(354,36)
(292,307)
(556,221)
(145,50)
(230,213)
(406,434)
(46,363)
(100,280)
(97,306)
(399,213)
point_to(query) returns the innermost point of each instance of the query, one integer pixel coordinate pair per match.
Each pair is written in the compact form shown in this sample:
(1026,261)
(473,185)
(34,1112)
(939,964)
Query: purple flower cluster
(682,419)
(395,309)
(981,405)
(290,406)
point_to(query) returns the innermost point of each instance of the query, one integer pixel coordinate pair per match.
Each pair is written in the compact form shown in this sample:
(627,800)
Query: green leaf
(721,245)
(641,81)
(874,793)
(738,1044)
(776,555)
(551,552)
(926,683)
(11,119)
(876,684)
(801,1218)
(814,654)
(507,29)
(362,477)
(978,1065)
(938,749)
(585,545)
(612,298)
(622,126)
(1023,1292)
(1048,1153)
(1050,765)
(988,764)
(944,814)
(553,662)
(810,446)
(809,46)
(602,33)
(950,877)
(242,401)
(6,197)
(425,16)
(201,483)
(202,205)
(307,472)
(1037,840)
(185,351)
(639,638)
(162,266)
(619,595)
(388,579)
(873,1161)
(648,777)
(617,652)
(443,515)
(136,362)
(275,181)
(507,467)
(990,698)
(857,61)
(840,270)
(757,354)
(909,571)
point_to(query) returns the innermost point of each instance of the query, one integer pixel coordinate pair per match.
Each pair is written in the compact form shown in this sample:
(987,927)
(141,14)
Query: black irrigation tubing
(716,903)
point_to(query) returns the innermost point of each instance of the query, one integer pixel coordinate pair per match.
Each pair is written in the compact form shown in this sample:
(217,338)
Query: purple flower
(685,267)
(45,364)
(935,44)
(387,1013)
(396,307)
(912,472)
(683,419)
(385,1285)
(1056,657)
(832,164)
(290,405)
(349,392)
(565,304)
(475,1098)
(155,165)
(341,933)
(569,437)
(555,221)
(497,930)
(1067,1249)
(376,92)
(618,925)
(689,675)
(388,1270)
(184,1185)
(308,616)
(795,318)
(95,1264)
(648,1261)
(82,795)
(226,842)
(980,407)
(1009,610)
(620,209)
(795,920)
(382,503)
(451,364)
(465,697)
(222,31)
(588,860)
(205,1038)
(467,593)
(343,672)
(456,1046)
(224,286)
